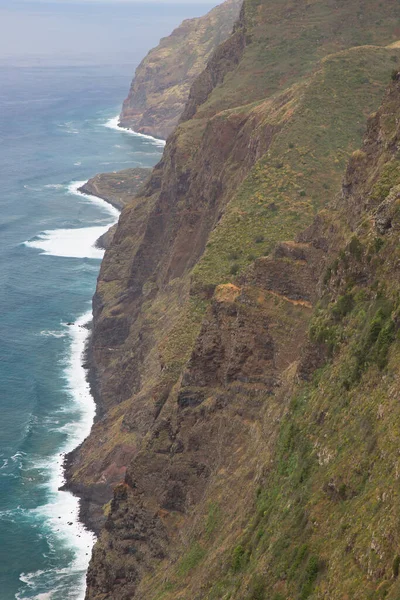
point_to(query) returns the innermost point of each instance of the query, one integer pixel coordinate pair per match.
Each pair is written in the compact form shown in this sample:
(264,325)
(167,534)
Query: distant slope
(162,82)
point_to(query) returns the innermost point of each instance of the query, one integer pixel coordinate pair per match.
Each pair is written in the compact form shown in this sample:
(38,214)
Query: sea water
(57,129)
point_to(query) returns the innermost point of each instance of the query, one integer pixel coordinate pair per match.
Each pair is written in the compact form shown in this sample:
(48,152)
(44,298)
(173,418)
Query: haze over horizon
(38,32)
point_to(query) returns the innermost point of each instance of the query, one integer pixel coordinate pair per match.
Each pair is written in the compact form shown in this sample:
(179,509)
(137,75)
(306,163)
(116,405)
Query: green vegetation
(240,558)
(213,519)
(191,559)
(288,185)
(396,566)
(282,49)
(390,177)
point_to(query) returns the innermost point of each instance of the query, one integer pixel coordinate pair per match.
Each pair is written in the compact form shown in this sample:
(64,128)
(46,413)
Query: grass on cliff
(304,165)
(324,522)
(285,41)
(330,477)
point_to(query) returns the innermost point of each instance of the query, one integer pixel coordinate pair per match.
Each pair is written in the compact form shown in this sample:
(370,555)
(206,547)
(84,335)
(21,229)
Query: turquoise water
(52,134)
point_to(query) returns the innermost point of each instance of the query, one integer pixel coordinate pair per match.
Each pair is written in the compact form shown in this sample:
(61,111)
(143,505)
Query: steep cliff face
(279,452)
(206,373)
(162,81)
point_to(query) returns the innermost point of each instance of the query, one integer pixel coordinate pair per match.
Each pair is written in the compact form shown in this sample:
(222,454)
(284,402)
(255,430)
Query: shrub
(240,557)
(383,343)
(298,558)
(378,244)
(355,248)
(234,270)
(358,156)
(311,575)
(396,566)
(328,275)
(344,305)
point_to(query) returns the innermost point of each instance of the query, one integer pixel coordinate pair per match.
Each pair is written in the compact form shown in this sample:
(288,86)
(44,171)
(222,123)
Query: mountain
(162,82)
(244,348)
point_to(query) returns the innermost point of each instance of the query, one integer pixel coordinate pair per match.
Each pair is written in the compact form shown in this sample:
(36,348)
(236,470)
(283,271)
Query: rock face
(247,384)
(162,81)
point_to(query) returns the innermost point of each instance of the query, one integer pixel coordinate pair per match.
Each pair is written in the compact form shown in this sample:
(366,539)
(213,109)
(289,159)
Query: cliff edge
(162,82)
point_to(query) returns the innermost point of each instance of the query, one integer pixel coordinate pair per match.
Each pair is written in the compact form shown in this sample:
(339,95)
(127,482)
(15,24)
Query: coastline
(92,498)
(113,123)
(85,496)
(116,187)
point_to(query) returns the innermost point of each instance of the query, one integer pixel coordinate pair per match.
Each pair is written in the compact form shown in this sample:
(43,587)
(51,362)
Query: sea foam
(70,243)
(73,188)
(79,242)
(61,513)
(114,124)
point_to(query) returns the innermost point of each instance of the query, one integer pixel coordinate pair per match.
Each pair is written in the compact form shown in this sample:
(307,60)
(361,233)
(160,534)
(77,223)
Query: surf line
(78,242)
(61,513)
(114,124)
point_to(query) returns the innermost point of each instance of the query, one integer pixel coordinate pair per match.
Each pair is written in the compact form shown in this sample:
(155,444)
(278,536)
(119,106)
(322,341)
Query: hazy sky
(88,31)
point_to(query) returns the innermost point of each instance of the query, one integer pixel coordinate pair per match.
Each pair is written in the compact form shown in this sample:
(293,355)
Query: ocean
(57,128)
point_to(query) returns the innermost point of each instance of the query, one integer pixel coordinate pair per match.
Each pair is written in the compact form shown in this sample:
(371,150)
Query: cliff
(162,82)
(246,384)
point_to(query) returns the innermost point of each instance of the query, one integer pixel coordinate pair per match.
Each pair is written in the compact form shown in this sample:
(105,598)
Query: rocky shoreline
(116,188)
(91,498)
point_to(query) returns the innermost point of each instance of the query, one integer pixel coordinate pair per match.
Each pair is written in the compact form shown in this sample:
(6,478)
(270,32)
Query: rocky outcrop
(162,81)
(117,188)
(203,310)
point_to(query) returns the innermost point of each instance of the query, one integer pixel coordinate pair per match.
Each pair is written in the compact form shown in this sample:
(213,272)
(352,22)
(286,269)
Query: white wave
(69,127)
(77,164)
(55,334)
(114,124)
(61,513)
(32,189)
(70,243)
(75,243)
(73,188)
(18,455)
(54,186)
